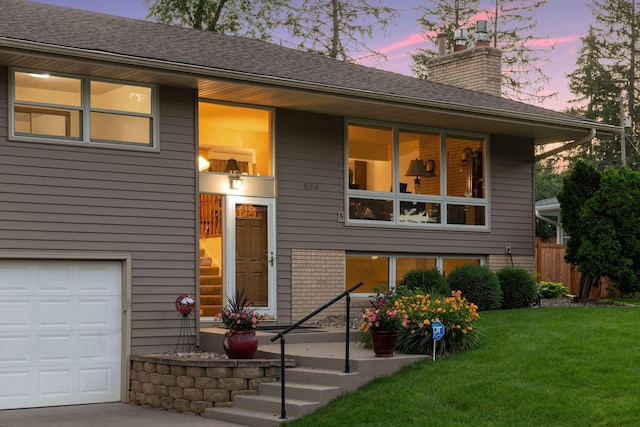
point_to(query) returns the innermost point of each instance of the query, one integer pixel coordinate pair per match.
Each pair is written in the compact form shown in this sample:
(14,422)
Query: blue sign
(438,330)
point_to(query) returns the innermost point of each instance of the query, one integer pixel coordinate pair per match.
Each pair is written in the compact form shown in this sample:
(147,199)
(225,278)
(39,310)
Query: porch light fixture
(203,164)
(417,169)
(235,182)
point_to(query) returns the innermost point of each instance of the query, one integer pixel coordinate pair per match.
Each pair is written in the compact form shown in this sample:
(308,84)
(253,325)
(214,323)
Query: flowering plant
(454,312)
(239,315)
(383,315)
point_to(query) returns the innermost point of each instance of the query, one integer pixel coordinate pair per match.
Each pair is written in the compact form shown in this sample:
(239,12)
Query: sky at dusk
(560,23)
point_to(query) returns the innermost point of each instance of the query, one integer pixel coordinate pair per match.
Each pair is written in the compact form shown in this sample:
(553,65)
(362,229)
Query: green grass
(564,366)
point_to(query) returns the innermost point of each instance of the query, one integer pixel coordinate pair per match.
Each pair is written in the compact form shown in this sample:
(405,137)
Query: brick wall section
(496,262)
(317,276)
(191,386)
(475,68)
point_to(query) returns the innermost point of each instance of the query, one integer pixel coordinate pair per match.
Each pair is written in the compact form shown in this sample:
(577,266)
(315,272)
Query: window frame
(443,199)
(85,111)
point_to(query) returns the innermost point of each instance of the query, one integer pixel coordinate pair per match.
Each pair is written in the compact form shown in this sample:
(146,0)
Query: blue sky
(561,22)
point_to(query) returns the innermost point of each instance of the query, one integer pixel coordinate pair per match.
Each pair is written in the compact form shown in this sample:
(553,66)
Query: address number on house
(312,186)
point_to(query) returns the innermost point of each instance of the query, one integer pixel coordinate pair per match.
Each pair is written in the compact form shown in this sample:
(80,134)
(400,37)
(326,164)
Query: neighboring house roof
(74,33)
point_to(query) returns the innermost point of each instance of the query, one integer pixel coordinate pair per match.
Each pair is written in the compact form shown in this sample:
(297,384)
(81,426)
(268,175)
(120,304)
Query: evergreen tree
(338,28)
(335,28)
(511,26)
(444,16)
(606,69)
(577,188)
(250,18)
(609,230)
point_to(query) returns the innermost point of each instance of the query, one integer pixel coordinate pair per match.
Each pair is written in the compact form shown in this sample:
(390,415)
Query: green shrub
(478,284)
(551,290)
(425,281)
(518,287)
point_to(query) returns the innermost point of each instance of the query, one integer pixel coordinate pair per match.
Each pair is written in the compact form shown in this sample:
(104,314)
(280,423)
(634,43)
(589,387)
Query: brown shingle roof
(60,26)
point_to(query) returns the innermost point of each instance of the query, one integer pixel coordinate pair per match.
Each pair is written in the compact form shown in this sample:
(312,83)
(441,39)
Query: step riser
(264,404)
(324,378)
(302,393)
(209,271)
(244,418)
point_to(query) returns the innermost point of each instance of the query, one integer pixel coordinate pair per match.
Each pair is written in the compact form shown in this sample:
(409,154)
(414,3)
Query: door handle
(272,259)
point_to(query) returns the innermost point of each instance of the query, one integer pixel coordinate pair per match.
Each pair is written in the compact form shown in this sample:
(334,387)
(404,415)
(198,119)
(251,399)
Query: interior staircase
(318,378)
(210,286)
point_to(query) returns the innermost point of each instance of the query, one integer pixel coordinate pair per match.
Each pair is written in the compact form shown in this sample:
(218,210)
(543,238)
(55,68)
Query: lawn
(560,366)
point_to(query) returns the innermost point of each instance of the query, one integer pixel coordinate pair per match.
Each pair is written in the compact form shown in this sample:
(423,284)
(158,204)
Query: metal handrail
(347,368)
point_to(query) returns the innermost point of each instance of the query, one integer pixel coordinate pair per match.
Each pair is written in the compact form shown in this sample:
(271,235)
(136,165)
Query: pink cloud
(552,41)
(410,40)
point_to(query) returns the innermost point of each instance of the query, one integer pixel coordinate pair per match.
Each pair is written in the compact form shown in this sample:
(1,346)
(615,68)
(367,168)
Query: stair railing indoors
(347,368)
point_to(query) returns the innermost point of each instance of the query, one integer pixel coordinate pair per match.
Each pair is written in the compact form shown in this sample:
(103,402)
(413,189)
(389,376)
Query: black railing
(347,368)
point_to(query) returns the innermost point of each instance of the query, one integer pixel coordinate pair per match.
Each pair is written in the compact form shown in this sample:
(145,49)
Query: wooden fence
(551,267)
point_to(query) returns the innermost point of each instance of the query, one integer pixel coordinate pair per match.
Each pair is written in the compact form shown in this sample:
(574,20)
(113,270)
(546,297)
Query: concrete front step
(322,394)
(245,417)
(317,379)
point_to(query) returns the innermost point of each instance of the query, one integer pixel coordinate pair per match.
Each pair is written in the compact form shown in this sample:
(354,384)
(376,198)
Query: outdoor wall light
(235,182)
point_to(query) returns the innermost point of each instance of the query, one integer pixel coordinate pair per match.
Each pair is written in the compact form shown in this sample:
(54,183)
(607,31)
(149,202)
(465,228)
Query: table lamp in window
(417,169)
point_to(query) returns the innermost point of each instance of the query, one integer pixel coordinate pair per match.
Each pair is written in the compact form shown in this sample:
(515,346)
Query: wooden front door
(252,255)
(250,251)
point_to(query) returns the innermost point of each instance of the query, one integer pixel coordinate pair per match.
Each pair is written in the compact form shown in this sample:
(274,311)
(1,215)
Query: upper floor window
(82,109)
(235,139)
(405,176)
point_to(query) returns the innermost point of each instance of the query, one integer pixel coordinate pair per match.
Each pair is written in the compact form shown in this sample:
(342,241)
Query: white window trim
(85,110)
(444,200)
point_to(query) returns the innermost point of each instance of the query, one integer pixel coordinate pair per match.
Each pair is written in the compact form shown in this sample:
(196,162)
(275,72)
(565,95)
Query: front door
(250,251)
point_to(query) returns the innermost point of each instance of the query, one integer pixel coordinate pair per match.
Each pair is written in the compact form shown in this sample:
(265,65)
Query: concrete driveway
(103,415)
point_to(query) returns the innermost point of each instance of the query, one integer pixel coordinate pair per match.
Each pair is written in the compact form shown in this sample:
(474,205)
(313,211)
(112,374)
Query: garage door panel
(54,313)
(14,349)
(16,315)
(60,343)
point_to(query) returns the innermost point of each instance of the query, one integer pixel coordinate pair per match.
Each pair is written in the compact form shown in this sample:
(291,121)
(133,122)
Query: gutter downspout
(588,137)
(552,222)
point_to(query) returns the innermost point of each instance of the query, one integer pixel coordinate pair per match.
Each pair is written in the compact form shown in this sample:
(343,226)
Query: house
(140,162)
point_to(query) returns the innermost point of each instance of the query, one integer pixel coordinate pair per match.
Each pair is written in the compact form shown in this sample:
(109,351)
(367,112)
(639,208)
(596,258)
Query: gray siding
(68,198)
(310,150)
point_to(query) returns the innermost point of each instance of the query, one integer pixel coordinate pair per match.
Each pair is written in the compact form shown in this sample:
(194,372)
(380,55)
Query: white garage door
(60,332)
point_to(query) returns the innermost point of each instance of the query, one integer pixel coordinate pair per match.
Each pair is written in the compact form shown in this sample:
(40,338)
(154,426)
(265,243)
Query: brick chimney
(477,68)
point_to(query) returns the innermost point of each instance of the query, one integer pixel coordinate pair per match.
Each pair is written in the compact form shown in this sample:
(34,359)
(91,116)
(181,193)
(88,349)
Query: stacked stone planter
(191,386)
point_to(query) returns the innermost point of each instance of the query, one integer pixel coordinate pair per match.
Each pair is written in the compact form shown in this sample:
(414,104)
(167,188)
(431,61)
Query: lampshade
(416,168)
(203,164)
(232,166)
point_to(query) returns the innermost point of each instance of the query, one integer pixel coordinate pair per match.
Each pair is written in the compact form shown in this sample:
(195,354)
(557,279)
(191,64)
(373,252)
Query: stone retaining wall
(190,386)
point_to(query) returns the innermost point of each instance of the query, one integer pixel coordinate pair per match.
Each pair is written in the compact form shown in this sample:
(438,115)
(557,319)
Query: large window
(235,139)
(81,109)
(380,271)
(413,177)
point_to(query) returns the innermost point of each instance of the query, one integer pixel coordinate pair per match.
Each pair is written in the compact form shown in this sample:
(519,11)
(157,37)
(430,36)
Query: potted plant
(241,320)
(382,322)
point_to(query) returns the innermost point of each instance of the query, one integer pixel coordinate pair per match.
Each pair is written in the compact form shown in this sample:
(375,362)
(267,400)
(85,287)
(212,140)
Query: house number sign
(311,186)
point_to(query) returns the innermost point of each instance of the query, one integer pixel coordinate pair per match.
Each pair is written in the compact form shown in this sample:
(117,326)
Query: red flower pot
(240,344)
(384,343)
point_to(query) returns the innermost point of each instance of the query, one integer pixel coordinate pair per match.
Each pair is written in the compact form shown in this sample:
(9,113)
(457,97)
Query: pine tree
(250,18)
(606,71)
(511,26)
(337,28)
